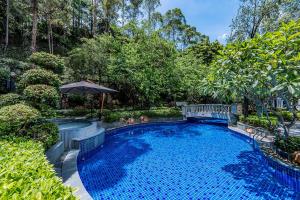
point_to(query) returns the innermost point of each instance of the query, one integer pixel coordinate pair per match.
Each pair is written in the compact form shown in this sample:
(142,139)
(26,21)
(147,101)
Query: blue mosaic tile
(181,161)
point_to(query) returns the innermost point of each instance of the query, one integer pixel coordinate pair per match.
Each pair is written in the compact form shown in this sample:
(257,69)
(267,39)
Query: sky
(210,17)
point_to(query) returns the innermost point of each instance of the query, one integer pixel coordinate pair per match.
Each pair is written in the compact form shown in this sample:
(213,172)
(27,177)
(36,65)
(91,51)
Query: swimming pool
(179,161)
(73,124)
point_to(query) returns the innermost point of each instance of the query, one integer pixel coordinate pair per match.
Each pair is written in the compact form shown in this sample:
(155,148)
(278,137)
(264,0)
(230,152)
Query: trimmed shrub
(39,76)
(9,99)
(4,75)
(13,65)
(26,173)
(263,122)
(289,145)
(48,61)
(38,95)
(112,116)
(13,119)
(46,133)
(288,116)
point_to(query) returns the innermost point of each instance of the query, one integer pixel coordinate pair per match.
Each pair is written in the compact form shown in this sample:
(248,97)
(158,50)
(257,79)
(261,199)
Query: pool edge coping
(71,176)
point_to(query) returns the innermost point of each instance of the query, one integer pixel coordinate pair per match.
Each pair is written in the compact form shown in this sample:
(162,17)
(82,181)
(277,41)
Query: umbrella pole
(102,103)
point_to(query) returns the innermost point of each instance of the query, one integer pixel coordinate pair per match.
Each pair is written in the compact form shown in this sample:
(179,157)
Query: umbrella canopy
(85,87)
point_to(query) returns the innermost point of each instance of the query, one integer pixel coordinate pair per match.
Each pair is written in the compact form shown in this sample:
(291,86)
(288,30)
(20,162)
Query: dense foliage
(13,119)
(48,61)
(262,69)
(46,133)
(26,173)
(9,99)
(112,116)
(38,95)
(14,65)
(289,145)
(38,76)
(263,122)
(261,16)
(4,75)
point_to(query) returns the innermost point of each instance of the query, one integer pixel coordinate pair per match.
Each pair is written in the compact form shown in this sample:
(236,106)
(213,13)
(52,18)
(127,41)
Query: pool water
(179,161)
(73,125)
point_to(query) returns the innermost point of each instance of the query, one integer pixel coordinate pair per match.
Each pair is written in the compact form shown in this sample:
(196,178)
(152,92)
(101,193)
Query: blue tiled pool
(179,161)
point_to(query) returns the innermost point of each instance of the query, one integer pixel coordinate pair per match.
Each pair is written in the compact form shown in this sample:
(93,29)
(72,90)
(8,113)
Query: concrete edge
(257,138)
(71,176)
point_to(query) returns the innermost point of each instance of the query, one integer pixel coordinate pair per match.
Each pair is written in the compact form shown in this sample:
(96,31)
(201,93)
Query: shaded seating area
(87,88)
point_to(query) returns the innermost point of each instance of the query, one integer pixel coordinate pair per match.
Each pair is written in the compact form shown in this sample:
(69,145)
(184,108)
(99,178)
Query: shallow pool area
(73,124)
(181,161)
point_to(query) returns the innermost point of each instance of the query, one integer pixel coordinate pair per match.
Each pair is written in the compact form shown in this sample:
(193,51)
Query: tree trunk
(246,107)
(34,24)
(95,5)
(49,35)
(7,25)
(123,12)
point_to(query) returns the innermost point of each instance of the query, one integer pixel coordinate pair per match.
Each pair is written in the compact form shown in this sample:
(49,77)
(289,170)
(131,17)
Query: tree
(7,25)
(192,66)
(261,16)
(262,69)
(54,11)
(190,36)
(135,9)
(175,28)
(142,70)
(110,12)
(94,11)
(173,24)
(91,59)
(150,6)
(34,5)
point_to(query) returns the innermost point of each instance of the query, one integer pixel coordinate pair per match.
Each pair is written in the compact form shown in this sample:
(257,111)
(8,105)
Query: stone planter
(55,152)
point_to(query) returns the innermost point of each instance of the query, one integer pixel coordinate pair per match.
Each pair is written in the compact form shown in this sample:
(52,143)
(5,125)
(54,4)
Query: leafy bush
(290,145)
(9,99)
(76,100)
(4,75)
(111,116)
(48,61)
(260,121)
(38,95)
(38,76)
(46,133)
(14,118)
(14,65)
(288,116)
(26,173)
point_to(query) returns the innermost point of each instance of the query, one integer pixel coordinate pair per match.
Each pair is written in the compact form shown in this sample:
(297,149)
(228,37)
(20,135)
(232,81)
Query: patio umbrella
(85,88)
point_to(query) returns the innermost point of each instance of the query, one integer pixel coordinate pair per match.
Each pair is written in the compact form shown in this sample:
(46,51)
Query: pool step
(90,142)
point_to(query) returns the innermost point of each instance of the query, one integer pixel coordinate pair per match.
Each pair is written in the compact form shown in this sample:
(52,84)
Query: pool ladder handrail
(257,134)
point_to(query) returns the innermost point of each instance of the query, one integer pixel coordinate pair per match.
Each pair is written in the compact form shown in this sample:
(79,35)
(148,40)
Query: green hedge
(111,116)
(26,174)
(38,76)
(9,99)
(263,122)
(13,65)
(4,75)
(290,145)
(13,119)
(38,95)
(46,133)
(48,61)
(288,116)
